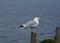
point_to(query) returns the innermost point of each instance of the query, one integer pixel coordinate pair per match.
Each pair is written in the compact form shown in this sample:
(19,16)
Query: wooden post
(33,37)
(57,38)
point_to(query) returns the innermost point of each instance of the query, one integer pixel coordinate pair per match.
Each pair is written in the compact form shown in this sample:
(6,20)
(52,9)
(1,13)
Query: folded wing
(31,24)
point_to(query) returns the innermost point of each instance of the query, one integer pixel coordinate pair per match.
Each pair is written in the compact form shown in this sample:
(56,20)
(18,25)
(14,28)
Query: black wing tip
(21,26)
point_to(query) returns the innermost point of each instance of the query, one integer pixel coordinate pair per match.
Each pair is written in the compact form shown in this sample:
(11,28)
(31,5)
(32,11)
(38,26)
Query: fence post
(57,37)
(33,37)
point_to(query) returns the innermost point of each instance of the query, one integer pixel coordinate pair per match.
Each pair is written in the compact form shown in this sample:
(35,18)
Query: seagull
(31,24)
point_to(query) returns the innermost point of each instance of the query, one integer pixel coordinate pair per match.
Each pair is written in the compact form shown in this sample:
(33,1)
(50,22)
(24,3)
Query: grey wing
(30,23)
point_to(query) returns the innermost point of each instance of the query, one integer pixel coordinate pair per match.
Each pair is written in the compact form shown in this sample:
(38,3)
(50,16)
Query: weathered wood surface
(57,39)
(33,37)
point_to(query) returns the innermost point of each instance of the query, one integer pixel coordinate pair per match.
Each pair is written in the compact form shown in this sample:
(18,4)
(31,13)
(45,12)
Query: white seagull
(31,24)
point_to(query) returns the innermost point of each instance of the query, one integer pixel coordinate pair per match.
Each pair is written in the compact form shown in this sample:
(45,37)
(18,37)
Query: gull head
(37,18)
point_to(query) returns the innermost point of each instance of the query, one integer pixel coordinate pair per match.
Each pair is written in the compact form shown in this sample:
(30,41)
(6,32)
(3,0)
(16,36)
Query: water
(16,12)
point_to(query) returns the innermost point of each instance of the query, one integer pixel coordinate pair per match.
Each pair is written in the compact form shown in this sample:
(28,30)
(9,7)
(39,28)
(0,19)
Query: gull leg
(33,30)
